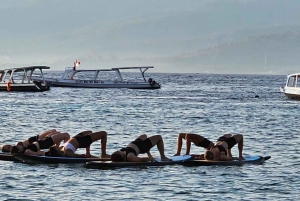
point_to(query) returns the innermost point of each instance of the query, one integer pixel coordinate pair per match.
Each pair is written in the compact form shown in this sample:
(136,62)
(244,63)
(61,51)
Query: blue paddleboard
(248,160)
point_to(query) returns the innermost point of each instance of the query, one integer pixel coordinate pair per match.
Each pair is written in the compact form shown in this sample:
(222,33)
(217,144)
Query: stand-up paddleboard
(7,157)
(51,160)
(248,160)
(106,164)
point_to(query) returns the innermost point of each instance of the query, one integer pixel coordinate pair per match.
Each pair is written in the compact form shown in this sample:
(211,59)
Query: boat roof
(133,67)
(26,68)
(108,69)
(294,74)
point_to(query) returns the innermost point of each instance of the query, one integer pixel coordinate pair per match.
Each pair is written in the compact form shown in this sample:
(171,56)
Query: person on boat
(141,145)
(219,151)
(199,141)
(24,143)
(81,140)
(36,147)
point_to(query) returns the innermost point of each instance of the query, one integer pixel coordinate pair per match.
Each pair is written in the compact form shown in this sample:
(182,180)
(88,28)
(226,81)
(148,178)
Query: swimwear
(43,144)
(231,142)
(221,149)
(128,150)
(84,141)
(204,143)
(143,145)
(68,145)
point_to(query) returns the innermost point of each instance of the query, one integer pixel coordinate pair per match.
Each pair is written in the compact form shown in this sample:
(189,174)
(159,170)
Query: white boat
(20,79)
(292,86)
(102,78)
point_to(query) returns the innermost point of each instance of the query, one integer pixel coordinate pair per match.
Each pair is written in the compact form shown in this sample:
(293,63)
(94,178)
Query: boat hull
(24,87)
(105,85)
(291,92)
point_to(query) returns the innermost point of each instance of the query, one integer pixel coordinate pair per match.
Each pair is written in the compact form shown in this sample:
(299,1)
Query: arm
(150,156)
(73,155)
(132,158)
(179,143)
(38,153)
(223,157)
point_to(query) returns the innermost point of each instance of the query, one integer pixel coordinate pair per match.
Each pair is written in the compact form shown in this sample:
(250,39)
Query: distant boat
(292,86)
(98,78)
(20,79)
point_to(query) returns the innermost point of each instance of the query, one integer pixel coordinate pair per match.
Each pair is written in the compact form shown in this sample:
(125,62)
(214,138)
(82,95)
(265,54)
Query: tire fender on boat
(8,86)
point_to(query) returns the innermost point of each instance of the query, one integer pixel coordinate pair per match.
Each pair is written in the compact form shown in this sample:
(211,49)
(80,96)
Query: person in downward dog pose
(219,151)
(141,145)
(36,147)
(24,143)
(81,140)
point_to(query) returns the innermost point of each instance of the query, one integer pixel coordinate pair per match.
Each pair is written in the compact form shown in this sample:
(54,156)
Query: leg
(179,143)
(240,140)
(141,137)
(101,135)
(46,133)
(158,141)
(59,137)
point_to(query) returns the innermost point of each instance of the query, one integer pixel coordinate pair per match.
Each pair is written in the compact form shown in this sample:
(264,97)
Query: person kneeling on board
(24,143)
(199,141)
(219,151)
(81,140)
(35,148)
(141,145)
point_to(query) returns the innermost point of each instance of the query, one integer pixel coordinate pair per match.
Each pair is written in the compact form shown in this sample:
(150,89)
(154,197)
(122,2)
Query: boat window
(292,81)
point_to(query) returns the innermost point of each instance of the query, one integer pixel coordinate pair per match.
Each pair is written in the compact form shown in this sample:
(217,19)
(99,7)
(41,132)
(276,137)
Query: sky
(174,36)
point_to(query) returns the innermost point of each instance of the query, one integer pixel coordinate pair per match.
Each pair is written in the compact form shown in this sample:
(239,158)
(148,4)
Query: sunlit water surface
(196,103)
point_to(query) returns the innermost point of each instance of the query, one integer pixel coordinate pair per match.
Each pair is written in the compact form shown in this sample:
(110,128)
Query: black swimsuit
(143,145)
(221,149)
(43,144)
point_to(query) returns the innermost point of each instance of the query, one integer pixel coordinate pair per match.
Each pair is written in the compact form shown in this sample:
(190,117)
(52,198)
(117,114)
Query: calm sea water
(196,103)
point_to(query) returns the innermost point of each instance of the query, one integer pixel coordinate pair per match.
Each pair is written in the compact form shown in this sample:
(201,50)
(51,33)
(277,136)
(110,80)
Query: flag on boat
(76,64)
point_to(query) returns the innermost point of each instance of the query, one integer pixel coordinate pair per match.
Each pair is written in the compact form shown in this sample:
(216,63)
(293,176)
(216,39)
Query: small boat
(20,79)
(292,86)
(102,78)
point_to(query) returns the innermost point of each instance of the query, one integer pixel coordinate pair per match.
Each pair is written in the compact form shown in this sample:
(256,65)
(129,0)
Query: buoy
(8,86)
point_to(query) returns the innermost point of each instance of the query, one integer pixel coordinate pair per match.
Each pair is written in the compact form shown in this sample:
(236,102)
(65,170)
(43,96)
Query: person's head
(54,151)
(6,148)
(16,149)
(117,156)
(209,155)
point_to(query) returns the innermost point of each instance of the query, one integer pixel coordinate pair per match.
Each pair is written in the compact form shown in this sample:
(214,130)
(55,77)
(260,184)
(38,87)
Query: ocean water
(206,104)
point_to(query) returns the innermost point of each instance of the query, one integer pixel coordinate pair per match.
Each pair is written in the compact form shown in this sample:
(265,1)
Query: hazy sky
(192,36)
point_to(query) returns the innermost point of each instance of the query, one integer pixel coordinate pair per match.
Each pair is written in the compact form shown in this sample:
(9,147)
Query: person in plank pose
(81,140)
(24,143)
(141,145)
(36,147)
(219,151)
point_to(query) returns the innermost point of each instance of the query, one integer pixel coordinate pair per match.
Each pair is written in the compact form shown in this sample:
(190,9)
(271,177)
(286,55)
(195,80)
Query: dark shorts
(84,141)
(44,144)
(231,142)
(204,143)
(33,139)
(143,145)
